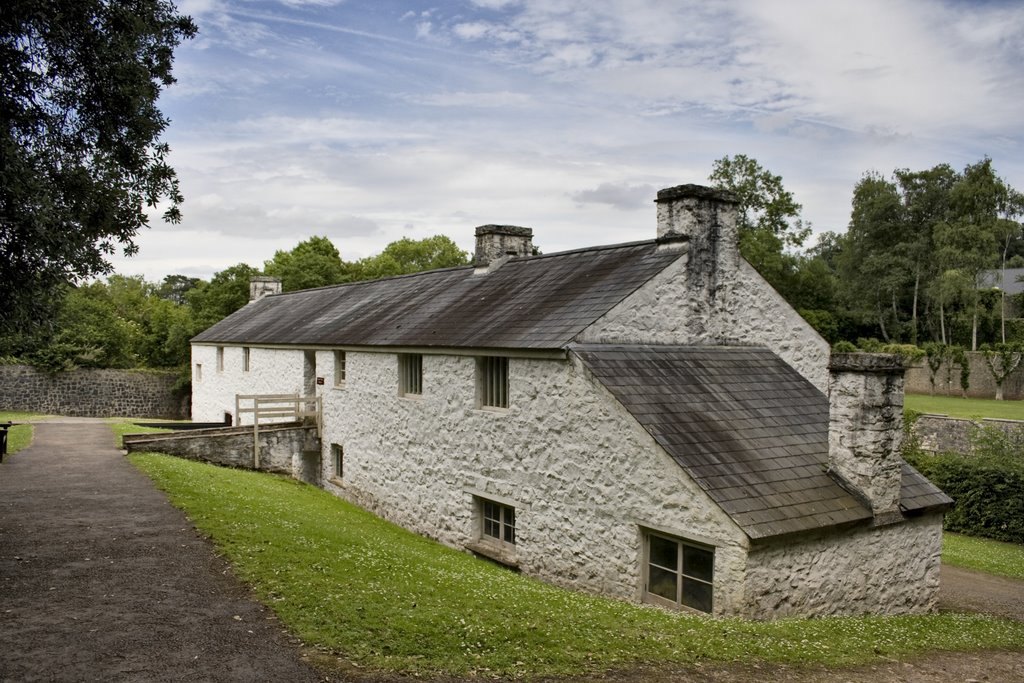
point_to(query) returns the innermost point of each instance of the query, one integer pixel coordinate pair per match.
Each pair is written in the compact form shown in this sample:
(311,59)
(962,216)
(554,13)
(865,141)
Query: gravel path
(102,579)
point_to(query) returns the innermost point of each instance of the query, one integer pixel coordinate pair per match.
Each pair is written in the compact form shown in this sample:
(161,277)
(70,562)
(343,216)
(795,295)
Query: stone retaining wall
(942,434)
(982,384)
(93,393)
(290,449)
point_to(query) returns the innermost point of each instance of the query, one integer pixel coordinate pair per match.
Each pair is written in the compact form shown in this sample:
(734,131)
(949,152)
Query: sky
(372,120)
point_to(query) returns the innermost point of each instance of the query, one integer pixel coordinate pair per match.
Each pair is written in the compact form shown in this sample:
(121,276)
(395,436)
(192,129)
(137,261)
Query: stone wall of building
(884,570)
(942,434)
(947,380)
(282,447)
(92,393)
(746,310)
(271,371)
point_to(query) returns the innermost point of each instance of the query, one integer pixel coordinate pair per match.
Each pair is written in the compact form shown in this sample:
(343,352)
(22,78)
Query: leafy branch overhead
(81,156)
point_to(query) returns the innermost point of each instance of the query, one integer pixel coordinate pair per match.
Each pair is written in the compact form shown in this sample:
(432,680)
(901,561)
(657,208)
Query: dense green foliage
(982,554)
(987,486)
(80,153)
(377,596)
(126,322)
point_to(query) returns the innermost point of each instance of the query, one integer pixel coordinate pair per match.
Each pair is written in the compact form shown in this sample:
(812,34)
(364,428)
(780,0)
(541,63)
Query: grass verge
(971,408)
(983,554)
(381,597)
(122,427)
(20,435)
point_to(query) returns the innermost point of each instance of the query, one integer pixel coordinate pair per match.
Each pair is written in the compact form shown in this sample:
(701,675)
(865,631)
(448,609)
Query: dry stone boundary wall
(93,393)
(942,434)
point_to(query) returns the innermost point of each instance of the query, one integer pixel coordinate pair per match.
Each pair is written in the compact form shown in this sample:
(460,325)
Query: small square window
(678,573)
(220,359)
(492,382)
(337,461)
(245,359)
(410,374)
(498,522)
(339,368)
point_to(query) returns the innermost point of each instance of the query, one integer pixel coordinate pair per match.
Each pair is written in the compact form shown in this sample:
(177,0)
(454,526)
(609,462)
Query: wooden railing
(271,409)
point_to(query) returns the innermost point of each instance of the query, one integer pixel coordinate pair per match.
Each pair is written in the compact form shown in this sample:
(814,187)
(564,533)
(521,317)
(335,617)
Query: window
(337,461)
(220,359)
(678,573)
(410,374)
(245,359)
(199,372)
(339,368)
(492,382)
(498,522)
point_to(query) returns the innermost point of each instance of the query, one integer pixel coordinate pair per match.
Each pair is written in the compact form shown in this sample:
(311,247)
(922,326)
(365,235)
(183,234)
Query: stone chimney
(497,242)
(261,286)
(703,219)
(865,431)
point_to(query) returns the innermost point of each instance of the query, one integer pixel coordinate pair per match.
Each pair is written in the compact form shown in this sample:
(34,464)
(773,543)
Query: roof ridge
(517,259)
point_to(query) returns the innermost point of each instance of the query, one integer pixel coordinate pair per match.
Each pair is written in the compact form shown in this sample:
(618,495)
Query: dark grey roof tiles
(538,302)
(749,429)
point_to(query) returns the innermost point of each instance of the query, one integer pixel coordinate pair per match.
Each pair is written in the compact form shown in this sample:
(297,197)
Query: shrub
(987,487)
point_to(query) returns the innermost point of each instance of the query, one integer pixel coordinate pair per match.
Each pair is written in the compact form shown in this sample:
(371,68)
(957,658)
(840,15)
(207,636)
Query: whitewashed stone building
(649,421)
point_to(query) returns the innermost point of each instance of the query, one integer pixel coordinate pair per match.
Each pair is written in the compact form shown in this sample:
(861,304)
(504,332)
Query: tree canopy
(81,156)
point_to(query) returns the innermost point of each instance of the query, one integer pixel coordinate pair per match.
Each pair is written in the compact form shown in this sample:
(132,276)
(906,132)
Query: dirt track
(102,579)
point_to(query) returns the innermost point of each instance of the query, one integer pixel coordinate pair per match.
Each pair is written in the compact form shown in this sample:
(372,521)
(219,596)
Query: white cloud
(620,196)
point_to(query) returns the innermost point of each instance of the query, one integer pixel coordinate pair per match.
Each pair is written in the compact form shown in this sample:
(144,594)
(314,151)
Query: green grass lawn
(20,435)
(973,408)
(983,554)
(346,582)
(121,427)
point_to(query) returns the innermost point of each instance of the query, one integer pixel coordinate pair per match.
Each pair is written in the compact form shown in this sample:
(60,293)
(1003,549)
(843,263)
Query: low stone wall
(93,393)
(942,434)
(291,449)
(982,384)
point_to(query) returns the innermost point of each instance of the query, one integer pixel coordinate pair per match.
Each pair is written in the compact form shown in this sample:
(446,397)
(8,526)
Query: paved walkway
(102,579)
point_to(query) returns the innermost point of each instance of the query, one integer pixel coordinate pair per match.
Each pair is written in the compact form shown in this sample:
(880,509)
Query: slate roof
(749,429)
(539,302)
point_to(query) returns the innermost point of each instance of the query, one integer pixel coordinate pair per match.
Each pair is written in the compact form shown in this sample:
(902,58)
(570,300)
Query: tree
(769,217)
(80,152)
(411,256)
(312,263)
(175,287)
(224,294)
(1002,359)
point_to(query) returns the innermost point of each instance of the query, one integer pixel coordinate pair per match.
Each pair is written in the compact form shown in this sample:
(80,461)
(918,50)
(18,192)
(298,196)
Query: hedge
(988,496)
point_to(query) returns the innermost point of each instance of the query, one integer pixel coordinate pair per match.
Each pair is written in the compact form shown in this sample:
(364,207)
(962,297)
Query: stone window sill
(501,554)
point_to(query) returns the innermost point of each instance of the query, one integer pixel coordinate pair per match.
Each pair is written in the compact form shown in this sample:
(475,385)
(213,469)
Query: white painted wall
(582,474)
(886,570)
(746,310)
(271,371)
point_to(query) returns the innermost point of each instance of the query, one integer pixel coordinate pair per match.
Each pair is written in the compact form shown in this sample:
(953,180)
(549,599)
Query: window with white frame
(339,368)
(245,359)
(410,374)
(492,382)
(497,523)
(337,461)
(220,359)
(678,573)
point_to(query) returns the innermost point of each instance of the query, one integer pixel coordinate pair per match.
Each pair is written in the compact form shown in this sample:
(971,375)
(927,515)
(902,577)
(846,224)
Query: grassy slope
(122,427)
(994,557)
(974,408)
(382,597)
